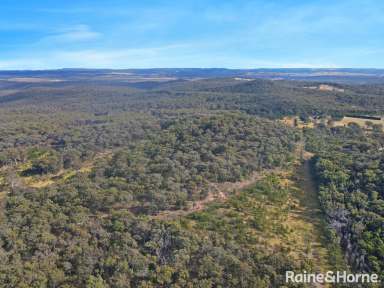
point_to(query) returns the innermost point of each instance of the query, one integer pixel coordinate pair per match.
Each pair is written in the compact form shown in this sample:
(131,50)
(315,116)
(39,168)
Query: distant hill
(263,97)
(345,75)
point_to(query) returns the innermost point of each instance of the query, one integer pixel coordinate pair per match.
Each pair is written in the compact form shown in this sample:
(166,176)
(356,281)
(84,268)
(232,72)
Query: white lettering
(289,276)
(330,277)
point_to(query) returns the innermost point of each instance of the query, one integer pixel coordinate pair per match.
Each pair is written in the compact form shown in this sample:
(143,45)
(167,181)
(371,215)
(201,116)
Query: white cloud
(132,57)
(73,34)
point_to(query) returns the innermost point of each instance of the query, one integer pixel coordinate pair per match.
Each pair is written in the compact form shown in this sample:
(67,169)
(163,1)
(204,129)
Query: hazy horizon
(196,68)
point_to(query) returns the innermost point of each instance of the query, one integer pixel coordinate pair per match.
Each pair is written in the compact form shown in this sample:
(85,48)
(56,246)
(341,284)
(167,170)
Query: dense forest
(178,183)
(349,168)
(46,232)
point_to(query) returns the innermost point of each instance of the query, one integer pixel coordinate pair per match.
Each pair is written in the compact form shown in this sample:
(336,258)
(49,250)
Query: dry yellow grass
(24,166)
(86,169)
(62,175)
(305,125)
(324,87)
(289,121)
(68,175)
(2,180)
(300,218)
(361,122)
(37,183)
(2,195)
(294,121)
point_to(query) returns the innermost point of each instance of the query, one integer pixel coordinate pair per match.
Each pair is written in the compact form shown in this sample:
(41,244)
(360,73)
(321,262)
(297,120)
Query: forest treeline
(267,98)
(349,167)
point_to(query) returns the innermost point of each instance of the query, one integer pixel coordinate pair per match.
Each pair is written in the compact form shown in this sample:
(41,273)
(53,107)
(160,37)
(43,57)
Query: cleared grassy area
(37,183)
(279,213)
(359,121)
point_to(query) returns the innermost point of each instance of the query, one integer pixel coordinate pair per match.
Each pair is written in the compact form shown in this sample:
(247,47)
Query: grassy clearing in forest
(278,213)
(45,180)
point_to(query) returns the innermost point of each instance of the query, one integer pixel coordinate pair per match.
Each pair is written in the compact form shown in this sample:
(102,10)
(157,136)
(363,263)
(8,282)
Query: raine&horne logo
(330,277)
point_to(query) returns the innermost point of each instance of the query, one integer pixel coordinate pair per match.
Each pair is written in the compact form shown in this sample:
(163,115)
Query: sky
(44,34)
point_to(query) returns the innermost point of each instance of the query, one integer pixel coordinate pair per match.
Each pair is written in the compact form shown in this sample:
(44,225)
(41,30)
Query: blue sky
(44,34)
